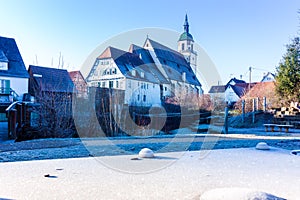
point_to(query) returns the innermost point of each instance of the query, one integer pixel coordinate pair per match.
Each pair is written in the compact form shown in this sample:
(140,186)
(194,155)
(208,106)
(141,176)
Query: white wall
(19,85)
(269,78)
(230,95)
(135,91)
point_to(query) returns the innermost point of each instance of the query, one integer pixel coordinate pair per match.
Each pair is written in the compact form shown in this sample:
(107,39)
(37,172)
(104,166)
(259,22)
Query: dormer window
(133,72)
(142,75)
(3,65)
(3,61)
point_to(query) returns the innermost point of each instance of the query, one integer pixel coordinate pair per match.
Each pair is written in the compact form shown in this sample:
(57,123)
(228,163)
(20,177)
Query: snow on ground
(188,177)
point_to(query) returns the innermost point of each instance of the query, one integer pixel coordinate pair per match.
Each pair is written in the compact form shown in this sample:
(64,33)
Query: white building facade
(150,74)
(13,74)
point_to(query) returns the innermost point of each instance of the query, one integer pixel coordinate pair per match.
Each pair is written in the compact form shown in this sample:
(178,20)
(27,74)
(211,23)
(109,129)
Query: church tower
(186,45)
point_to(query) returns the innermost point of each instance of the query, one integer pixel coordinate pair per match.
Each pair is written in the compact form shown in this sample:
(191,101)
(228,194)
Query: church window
(144,98)
(182,46)
(192,47)
(138,97)
(117,84)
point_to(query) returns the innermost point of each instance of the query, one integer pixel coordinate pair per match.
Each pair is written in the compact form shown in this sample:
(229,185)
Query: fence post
(12,124)
(254,109)
(243,110)
(265,104)
(226,120)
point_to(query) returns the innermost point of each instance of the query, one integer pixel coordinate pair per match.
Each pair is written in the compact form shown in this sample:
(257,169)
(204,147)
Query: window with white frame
(3,66)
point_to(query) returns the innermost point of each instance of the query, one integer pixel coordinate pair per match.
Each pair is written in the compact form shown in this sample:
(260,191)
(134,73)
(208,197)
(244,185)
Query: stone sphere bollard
(146,153)
(262,146)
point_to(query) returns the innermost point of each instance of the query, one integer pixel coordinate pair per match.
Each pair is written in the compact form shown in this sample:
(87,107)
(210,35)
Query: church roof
(144,54)
(174,63)
(186,36)
(9,52)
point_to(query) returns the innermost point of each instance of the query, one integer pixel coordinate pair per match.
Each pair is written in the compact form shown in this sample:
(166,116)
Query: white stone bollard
(146,153)
(262,146)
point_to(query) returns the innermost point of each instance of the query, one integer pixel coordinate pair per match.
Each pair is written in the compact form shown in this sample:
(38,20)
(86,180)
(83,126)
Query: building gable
(231,94)
(9,53)
(269,77)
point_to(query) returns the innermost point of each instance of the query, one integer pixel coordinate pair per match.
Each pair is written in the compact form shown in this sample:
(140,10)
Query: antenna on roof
(59,60)
(36,60)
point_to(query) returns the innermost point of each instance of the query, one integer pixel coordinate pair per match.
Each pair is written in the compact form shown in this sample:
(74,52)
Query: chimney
(183,76)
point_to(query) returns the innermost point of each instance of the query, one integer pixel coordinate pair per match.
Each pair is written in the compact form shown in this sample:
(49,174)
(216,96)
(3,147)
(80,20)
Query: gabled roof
(239,90)
(127,62)
(173,63)
(268,74)
(217,89)
(242,88)
(144,54)
(236,81)
(16,66)
(51,79)
(74,74)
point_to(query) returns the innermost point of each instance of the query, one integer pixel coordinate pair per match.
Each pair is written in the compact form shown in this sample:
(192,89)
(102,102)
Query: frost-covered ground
(232,172)
(108,168)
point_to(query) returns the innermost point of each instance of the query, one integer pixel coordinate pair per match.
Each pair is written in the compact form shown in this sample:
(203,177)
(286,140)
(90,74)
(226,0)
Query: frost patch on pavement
(237,194)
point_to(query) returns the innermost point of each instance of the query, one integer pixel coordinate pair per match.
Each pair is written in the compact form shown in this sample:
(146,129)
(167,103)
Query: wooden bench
(280,126)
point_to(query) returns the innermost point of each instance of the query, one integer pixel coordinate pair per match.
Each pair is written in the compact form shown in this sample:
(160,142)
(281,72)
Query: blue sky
(236,34)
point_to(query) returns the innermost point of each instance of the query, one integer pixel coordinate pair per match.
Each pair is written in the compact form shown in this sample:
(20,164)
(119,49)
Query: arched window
(182,46)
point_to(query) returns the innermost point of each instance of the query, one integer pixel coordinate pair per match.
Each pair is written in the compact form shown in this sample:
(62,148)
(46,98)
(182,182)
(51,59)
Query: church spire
(186,24)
